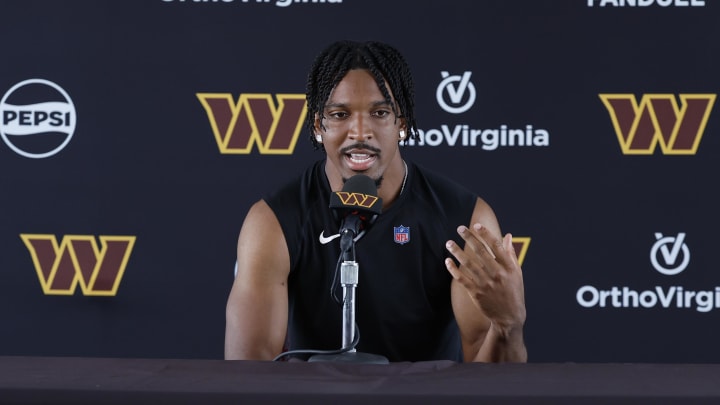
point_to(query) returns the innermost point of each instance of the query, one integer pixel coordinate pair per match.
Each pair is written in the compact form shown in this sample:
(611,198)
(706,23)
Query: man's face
(361,131)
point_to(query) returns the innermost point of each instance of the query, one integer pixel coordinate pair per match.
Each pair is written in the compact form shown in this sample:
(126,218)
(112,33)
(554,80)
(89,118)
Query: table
(77,380)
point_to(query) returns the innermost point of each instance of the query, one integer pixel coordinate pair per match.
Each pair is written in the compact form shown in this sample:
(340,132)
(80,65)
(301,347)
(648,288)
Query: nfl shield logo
(402,234)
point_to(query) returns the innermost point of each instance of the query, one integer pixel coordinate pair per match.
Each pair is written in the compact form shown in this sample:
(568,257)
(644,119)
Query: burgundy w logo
(356,199)
(521,245)
(254,120)
(78,260)
(659,120)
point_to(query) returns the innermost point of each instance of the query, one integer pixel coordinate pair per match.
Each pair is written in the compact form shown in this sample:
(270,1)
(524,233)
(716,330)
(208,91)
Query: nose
(360,129)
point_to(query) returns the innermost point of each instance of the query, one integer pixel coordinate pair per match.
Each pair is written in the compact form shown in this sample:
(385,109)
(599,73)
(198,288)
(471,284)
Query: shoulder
(301,189)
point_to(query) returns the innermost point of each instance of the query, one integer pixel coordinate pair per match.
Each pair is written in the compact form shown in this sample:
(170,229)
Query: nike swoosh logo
(324,239)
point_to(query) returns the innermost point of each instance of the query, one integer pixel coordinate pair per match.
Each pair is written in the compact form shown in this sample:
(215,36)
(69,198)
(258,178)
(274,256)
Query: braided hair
(383,61)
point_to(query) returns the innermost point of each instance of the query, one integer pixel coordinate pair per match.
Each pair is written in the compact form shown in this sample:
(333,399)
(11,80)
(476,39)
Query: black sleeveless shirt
(403,307)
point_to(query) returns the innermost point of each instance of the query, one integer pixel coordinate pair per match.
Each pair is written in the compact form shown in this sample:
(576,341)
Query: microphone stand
(349,272)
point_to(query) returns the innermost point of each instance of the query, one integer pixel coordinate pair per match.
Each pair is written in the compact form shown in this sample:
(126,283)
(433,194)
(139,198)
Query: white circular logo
(37,118)
(669,248)
(456,94)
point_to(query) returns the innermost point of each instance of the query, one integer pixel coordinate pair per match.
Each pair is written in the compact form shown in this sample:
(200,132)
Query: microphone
(357,205)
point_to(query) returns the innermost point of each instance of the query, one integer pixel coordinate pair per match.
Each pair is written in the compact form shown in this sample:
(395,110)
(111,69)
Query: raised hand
(488,268)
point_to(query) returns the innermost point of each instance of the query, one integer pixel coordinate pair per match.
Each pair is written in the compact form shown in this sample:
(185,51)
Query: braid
(383,61)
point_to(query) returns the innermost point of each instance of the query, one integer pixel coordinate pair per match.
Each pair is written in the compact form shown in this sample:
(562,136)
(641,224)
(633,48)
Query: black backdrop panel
(126,165)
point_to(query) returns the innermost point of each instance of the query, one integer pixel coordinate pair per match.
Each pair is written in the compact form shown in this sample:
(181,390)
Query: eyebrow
(374,104)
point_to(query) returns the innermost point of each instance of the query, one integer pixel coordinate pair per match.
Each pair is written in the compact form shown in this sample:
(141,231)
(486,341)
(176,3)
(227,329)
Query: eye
(338,115)
(382,113)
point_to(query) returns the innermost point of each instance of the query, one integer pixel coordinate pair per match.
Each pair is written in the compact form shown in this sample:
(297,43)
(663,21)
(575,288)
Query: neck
(390,192)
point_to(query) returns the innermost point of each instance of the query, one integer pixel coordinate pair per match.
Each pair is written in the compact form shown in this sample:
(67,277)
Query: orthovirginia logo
(255,121)
(456,94)
(38,118)
(659,120)
(674,254)
(670,247)
(78,260)
(458,102)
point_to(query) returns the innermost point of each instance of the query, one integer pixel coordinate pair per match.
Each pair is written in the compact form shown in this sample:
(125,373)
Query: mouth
(360,161)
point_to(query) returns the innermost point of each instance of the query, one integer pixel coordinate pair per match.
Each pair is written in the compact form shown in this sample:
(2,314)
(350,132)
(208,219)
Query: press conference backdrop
(136,135)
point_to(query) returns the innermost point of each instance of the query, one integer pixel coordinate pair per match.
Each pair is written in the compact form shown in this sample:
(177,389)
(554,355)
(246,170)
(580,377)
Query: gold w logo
(78,260)
(521,245)
(357,199)
(659,120)
(254,120)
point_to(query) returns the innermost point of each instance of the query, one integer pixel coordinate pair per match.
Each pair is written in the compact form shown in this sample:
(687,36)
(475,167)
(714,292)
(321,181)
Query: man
(453,289)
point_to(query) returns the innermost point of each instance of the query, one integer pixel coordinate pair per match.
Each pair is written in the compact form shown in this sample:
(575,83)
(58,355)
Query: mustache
(360,145)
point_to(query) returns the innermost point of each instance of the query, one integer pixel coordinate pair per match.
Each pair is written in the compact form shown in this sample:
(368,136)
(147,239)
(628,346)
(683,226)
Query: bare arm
(487,291)
(257,309)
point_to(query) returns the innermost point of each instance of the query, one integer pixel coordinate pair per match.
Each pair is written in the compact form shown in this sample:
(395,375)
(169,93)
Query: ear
(403,130)
(316,125)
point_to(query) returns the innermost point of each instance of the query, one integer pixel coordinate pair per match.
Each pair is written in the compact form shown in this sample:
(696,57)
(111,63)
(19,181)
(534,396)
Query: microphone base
(350,357)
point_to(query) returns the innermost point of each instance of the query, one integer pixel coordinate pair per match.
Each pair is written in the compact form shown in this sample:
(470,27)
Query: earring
(402,135)
(318,138)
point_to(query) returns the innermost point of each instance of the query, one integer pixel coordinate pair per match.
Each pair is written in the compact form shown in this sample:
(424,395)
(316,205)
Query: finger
(475,243)
(460,255)
(472,240)
(489,241)
(510,248)
(467,268)
(476,260)
(452,268)
(462,277)
(470,258)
